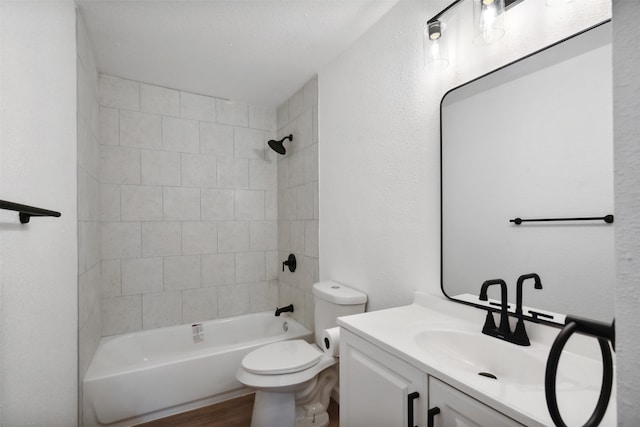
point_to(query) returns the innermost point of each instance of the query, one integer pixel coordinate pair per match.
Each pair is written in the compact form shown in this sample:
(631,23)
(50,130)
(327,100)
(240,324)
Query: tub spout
(288,308)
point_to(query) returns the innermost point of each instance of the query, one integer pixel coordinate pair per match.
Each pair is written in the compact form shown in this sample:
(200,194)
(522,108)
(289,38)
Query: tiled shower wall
(188,207)
(298,200)
(89,311)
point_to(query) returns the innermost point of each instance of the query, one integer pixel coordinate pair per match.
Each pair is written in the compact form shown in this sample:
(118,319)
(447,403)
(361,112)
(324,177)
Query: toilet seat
(283,357)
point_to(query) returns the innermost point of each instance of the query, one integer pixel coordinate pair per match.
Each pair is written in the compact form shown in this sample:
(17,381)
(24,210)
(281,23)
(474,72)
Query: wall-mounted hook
(290,262)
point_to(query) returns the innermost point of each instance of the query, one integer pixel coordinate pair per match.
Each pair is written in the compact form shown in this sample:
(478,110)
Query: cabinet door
(460,410)
(375,386)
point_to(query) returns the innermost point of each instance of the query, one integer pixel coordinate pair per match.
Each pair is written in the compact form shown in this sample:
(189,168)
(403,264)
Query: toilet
(294,379)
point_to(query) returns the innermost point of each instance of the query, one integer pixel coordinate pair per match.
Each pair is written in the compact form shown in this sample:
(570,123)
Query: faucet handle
(290,262)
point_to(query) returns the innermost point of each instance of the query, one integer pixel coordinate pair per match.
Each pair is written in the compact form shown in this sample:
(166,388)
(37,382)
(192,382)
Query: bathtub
(150,374)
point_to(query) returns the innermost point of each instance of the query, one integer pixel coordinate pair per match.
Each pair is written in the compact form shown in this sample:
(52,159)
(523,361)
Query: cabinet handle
(412,396)
(431,415)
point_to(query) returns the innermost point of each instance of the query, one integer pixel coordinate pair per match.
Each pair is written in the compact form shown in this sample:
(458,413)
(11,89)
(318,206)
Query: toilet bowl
(294,379)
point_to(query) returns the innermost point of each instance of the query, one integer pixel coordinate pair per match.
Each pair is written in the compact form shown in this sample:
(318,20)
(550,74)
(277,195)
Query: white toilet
(294,379)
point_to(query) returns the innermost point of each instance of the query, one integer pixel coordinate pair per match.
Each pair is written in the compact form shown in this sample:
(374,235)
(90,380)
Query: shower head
(278,146)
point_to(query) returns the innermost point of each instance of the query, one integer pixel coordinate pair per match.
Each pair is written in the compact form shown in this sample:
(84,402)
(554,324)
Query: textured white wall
(38,261)
(626,64)
(379,123)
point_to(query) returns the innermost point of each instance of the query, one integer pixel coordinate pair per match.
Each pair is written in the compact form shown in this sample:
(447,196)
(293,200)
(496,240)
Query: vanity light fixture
(488,22)
(488,18)
(435,49)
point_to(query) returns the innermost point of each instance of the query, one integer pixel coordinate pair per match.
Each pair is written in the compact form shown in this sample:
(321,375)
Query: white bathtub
(145,375)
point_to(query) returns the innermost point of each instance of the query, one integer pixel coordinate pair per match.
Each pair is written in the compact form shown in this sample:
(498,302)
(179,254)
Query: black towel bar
(607,218)
(26,212)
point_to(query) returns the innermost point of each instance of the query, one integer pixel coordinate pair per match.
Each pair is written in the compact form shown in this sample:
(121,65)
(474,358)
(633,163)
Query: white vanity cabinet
(377,388)
(457,409)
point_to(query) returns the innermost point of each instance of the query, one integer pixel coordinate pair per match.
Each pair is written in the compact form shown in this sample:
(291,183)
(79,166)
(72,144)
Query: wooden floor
(232,413)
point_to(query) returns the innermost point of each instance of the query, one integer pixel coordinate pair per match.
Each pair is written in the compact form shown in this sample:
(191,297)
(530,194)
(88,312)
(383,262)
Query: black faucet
(520,334)
(288,308)
(504,331)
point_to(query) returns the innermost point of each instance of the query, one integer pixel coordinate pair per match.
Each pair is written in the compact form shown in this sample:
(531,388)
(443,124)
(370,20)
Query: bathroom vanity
(404,365)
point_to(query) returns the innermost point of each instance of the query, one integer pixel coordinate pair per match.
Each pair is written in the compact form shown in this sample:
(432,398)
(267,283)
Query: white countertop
(395,330)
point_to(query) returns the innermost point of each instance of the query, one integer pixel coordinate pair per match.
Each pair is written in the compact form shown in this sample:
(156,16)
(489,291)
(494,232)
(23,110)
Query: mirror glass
(533,140)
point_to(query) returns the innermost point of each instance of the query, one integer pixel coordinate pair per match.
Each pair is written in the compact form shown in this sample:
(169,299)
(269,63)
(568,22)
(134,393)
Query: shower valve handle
(290,262)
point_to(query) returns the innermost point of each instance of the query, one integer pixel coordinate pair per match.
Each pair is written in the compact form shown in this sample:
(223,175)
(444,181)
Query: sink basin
(474,353)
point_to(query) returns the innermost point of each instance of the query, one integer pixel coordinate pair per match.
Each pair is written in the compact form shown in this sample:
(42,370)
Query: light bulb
(489,21)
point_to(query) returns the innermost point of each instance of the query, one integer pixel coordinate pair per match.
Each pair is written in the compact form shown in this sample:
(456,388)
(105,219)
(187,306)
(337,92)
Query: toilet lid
(283,357)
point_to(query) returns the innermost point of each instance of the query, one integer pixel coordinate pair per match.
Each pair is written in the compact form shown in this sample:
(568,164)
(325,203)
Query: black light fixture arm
(26,212)
(507,4)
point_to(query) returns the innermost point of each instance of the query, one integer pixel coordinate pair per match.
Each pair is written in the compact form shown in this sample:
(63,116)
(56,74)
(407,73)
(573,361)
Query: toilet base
(305,408)
(274,409)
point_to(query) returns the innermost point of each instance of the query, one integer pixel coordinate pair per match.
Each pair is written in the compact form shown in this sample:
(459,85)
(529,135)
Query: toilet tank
(333,300)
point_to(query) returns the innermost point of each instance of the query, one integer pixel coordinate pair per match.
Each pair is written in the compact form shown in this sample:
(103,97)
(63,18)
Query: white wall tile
(141,275)
(199,305)
(271,205)
(234,300)
(182,272)
(297,236)
(273,264)
(119,165)
(303,135)
(88,196)
(304,201)
(217,204)
(263,175)
(141,203)
(284,235)
(314,126)
(289,210)
(284,294)
(311,238)
(216,139)
(197,107)
(180,135)
(298,301)
(262,118)
(263,235)
(88,293)
(159,100)
(316,201)
(180,203)
(93,246)
(88,148)
(161,238)
(199,170)
(120,240)
(296,105)
(109,133)
(219,269)
(121,315)
(199,238)
(161,309)
(282,115)
(310,94)
(248,143)
(310,155)
(233,173)
(263,297)
(296,169)
(141,130)
(160,167)
(233,236)
(119,93)
(249,205)
(283,173)
(111,278)
(232,113)
(250,267)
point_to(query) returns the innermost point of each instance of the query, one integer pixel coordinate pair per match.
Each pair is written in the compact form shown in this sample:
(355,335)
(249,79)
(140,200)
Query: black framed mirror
(533,140)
